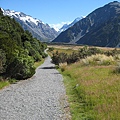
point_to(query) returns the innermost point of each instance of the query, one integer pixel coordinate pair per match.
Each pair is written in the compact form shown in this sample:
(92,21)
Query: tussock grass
(98,59)
(93,87)
(117,70)
(117,57)
(37,64)
(68,51)
(63,66)
(94,92)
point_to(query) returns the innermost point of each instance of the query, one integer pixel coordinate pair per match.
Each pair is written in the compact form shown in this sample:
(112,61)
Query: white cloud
(58,25)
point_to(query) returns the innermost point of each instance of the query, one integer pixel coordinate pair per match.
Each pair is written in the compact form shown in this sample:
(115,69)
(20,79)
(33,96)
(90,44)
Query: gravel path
(41,97)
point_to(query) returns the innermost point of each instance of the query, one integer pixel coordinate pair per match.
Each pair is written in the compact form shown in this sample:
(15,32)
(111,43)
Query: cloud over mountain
(59,25)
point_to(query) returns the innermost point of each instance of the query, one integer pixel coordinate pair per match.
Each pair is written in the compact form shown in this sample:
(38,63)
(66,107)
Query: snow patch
(59,25)
(118,46)
(21,16)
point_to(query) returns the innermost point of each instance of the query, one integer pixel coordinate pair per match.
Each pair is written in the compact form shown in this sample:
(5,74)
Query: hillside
(38,29)
(66,26)
(18,50)
(108,34)
(90,30)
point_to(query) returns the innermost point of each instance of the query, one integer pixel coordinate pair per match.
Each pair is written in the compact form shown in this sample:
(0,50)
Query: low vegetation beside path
(92,82)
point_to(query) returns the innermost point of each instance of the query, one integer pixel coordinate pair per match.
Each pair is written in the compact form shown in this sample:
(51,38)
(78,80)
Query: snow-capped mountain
(66,26)
(38,29)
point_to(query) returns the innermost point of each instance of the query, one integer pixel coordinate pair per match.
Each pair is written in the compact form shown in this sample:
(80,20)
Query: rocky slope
(38,29)
(66,26)
(90,30)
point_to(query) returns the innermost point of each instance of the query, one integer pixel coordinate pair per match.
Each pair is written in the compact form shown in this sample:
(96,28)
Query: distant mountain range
(99,28)
(66,26)
(38,29)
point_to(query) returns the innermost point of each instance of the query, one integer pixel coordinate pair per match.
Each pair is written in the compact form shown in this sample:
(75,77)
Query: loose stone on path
(41,97)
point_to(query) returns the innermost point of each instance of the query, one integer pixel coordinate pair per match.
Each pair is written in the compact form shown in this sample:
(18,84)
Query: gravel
(41,97)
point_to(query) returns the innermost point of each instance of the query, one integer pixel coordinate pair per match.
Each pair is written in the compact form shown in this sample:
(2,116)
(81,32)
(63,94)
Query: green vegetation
(37,64)
(3,84)
(70,56)
(18,50)
(92,84)
(93,94)
(98,59)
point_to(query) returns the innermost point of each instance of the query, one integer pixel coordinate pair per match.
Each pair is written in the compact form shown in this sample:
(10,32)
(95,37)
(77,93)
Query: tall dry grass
(94,92)
(98,59)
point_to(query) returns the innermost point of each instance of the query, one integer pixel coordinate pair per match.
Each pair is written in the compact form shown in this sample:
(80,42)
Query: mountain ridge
(38,29)
(66,26)
(93,21)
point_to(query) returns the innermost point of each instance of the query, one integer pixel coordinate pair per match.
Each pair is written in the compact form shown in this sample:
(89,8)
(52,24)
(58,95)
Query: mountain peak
(38,29)
(99,28)
(114,3)
(66,26)
(20,15)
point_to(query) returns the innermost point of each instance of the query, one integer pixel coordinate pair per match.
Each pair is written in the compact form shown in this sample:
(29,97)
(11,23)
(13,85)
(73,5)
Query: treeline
(18,50)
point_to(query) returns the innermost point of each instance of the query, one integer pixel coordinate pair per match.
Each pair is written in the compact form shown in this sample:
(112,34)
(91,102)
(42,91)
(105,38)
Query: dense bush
(112,52)
(21,68)
(18,49)
(51,49)
(88,51)
(2,61)
(59,58)
(74,56)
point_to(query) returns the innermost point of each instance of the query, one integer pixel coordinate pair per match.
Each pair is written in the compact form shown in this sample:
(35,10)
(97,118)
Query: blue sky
(54,12)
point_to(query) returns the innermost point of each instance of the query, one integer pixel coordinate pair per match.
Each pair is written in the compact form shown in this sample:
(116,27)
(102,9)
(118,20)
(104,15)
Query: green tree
(2,61)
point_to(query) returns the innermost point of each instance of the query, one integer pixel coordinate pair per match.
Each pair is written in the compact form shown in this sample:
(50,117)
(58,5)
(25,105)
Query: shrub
(112,52)
(21,68)
(2,61)
(88,51)
(12,81)
(72,58)
(117,70)
(51,49)
(44,55)
(63,66)
(83,52)
(117,57)
(59,58)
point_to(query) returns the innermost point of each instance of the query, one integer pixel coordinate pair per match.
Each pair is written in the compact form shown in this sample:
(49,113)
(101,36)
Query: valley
(72,73)
(92,83)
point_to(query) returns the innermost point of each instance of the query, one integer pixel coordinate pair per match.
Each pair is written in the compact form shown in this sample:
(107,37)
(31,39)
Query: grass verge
(3,84)
(37,64)
(93,92)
